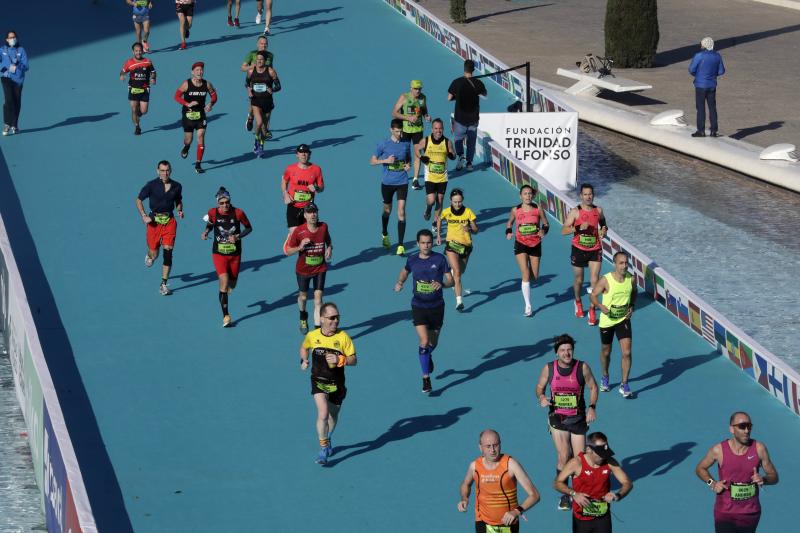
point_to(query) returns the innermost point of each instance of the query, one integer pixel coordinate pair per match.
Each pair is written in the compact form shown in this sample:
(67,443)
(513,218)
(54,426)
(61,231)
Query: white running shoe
(528,310)
(148,261)
(258,18)
(461,162)
(164,290)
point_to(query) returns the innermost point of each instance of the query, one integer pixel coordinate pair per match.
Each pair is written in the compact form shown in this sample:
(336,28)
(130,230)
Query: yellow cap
(416,84)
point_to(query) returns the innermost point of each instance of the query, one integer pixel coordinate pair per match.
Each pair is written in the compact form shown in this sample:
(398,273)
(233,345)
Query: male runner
(261,83)
(249,62)
(312,242)
(267,14)
(142,74)
(191,94)
(395,156)
(330,350)
(185,11)
(301,182)
(412,109)
(431,273)
(165,196)
(496,475)
(737,508)
(141,21)
(591,493)
(233,21)
(434,151)
(587,224)
(569,418)
(619,297)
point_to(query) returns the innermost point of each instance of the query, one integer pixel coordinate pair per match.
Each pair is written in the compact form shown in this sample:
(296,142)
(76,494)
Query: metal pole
(528,104)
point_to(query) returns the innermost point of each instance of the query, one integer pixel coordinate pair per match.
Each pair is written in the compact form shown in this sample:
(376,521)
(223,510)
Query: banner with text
(547,143)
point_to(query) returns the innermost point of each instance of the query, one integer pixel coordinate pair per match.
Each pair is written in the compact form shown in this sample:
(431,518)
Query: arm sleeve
(276,85)
(213,94)
(241,217)
(179,97)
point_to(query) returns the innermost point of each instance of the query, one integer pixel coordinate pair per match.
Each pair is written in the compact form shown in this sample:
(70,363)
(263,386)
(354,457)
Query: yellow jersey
(617,299)
(319,345)
(457,225)
(436,169)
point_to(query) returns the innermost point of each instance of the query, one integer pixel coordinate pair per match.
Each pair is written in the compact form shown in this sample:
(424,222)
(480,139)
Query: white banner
(547,143)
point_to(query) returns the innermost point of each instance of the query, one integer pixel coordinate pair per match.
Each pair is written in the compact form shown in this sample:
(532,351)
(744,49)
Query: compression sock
(200,149)
(425,360)
(401,231)
(303,315)
(223,302)
(526,293)
(324,443)
(385,223)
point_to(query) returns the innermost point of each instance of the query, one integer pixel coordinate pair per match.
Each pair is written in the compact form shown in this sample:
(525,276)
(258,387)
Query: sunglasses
(332,317)
(743,425)
(224,202)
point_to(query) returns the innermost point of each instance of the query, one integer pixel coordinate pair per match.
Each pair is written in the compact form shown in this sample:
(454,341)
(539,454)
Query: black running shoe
(415,184)
(137,131)
(198,168)
(249,123)
(426,385)
(185,151)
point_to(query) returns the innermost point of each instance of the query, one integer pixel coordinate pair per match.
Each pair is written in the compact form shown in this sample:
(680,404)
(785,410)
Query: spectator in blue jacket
(13,65)
(706,66)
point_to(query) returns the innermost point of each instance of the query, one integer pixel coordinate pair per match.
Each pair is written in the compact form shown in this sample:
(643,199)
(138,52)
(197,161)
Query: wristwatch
(710,482)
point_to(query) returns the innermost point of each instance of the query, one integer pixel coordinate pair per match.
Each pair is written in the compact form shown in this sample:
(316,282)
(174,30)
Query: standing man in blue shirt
(430,272)
(395,156)
(706,66)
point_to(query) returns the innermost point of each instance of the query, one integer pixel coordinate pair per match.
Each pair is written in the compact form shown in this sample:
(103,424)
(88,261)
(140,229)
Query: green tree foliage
(458,11)
(631,30)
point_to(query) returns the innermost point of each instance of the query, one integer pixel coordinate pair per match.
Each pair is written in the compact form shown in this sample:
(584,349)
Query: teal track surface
(182,425)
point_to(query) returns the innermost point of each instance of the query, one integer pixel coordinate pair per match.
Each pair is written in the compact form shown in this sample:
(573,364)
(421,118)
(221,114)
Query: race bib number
(742,491)
(457,247)
(137,90)
(587,240)
(302,196)
(226,247)
(437,168)
(596,508)
(193,115)
(498,529)
(326,387)
(314,260)
(617,311)
(259,87)
(142,3)
(528,229)
(425,287)
(565,401)
(397,165)
(162,219)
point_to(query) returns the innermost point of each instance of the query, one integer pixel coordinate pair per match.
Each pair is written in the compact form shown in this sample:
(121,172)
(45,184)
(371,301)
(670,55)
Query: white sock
(526,293)
(458,300)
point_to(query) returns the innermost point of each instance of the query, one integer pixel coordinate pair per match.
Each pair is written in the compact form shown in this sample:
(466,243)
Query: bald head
(488,433)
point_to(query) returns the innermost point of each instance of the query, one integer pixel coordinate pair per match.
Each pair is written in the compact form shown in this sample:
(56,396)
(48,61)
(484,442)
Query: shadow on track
(671,369)
(290,299)
(379,322)
(311,126)
(71,122)
(286,150)
(194,280)
(657,462)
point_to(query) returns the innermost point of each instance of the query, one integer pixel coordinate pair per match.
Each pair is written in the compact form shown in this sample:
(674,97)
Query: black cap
(303,149)
(602,450)
(311,208)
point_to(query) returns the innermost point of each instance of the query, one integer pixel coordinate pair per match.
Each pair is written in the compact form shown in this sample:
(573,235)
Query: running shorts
(191,125)
(432,317)
(227,264)
(414,138)
(141,18)
(463,250)
(600,524)
(186,9)
(622,330)
(533,251)
(573,424)
(266,105)
(388,191)
(582,258)
(480,527)
(161,234)
(135,96)
(435,188)
(337,393)
(294,216)
(304,282)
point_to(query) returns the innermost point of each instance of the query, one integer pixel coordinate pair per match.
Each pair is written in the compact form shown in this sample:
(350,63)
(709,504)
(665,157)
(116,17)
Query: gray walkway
(758,42)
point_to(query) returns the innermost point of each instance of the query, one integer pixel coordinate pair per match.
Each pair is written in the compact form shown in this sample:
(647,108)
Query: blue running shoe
(625,390)
(324,453)
(604,384)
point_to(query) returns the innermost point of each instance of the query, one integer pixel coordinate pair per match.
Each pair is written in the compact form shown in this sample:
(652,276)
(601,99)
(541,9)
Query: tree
(458,11)
(631,31)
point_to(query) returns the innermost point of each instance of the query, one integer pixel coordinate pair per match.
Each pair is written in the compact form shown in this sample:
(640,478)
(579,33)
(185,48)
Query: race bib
(259,87)
(437,168)
(326,387)
(617,311)
(596,508)
(742,491)
(193,115)
(142,3)
(302,196)
(587,240)
(226,247)
(528,229)
(137,90)
(498,529)
(457,247)
(314,260)
(425,287)
(397,165)
(162,219)
(565,401)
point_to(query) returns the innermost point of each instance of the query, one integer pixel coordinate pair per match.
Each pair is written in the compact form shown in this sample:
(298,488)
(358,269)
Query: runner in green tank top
(412,109)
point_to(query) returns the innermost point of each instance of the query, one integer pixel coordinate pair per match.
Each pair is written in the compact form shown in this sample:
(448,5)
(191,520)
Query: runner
(192,96)
(261,82)
(301,182)
(267,14)
(233,21)
(249,63)
(141,21)
(532,226)
(330,350)
(312,242)
(431,273)
(412,109)
(434,151)
(619,297)
(164,196)
(569,418)
(587,224)
(226,222)
(395,156)
(185,11)
(591,492)
(737,508)
(142,74)
(460,225)
(495,475)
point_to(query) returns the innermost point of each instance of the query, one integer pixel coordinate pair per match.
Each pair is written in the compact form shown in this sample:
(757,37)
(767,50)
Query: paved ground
(758,42)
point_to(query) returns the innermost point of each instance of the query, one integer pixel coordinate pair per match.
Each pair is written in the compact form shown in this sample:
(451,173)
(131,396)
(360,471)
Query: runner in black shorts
(184,9)
(142,74)
(261,82)
(412,109)
(192,96)
(394,154)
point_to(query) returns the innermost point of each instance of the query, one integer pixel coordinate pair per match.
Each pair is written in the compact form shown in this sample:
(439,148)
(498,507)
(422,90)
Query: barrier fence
(769,370)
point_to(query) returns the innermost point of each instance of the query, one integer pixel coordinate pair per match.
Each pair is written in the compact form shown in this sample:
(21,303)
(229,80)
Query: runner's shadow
(671,369)
(495,360)
(303,14)
(364,256)
(179,123)
(194,280)
(71,122)
(558,298)
(486,215)
(305,25)
(504,287)
(657,462)
(205,42)
(401,430)
(297,130)
(286,150)
(379,322)
(290,299)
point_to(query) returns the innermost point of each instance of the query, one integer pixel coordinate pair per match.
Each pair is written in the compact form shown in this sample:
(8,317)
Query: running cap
(303,149)
(198,64)
(707,43)
(602,450)
(223,193)
(416,84)
(311,208)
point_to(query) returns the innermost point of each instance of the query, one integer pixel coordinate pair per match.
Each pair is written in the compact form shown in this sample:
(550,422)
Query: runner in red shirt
(301,181)
(226,222)
(142,74)
(312,242)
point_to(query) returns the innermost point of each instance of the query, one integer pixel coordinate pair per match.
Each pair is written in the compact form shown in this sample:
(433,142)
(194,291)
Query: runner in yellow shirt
(460,225)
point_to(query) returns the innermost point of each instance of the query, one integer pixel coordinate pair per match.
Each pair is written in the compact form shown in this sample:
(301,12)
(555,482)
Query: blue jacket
(705,67)
(13,56)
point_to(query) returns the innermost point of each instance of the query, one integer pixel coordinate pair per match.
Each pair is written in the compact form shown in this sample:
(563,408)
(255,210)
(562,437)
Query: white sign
(547,143)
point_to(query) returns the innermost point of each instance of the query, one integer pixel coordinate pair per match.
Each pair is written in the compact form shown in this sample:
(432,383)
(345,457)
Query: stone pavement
(756,99)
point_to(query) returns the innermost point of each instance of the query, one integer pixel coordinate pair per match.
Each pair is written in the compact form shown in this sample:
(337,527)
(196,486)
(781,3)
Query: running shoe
(324,453)
(164,290)
(257,147)
(604,384)
(145,47)
(416,186)
(460,306)
(266,31)
(6,129)
(528,310)
(400,249)
(461,162)
(385,242)
(433,228)
(236,22)
(564,503)
(625,390)
(230,21)
(137,130)
(426,385)
(198,168)
(258,18)
(183,46)
(13,131)
(227,321)
(592,316)
(249,123)
(304,326)
(268,135)
(469,166)
(427,214)
(148,261)
(579,309)
(185,151)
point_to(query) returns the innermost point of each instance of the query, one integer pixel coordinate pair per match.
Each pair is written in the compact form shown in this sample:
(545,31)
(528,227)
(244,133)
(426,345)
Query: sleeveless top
(495,491)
